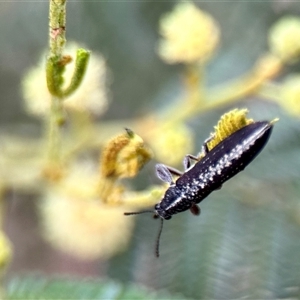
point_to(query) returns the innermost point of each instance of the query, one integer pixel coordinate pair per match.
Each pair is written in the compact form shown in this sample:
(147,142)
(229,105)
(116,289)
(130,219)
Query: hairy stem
(57,40)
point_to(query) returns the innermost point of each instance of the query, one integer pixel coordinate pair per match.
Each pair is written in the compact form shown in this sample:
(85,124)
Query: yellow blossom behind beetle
(189,35)
(229,123)
(91,96)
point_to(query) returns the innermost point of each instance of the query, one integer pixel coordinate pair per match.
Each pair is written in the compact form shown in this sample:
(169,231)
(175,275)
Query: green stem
(57,27)
(271,91)
(57,41)
(55,122)
(223,95)
(54,72)
(194,83)
(82,59)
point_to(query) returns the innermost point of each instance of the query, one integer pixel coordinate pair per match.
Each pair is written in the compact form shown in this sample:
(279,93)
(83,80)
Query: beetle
(218,165)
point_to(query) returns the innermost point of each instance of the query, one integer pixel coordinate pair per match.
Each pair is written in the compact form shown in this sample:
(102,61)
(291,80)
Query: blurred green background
(246,243)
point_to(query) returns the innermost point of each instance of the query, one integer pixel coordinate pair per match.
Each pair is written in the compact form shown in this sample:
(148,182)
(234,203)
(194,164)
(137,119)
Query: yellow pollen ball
(189,35)
(284,39)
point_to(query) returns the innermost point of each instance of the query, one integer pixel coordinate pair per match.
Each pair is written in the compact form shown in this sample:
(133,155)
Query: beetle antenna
(160,229)
(137,212)
(158,237)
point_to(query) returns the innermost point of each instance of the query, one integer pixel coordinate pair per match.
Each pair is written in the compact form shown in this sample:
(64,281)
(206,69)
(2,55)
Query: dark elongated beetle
(218,165)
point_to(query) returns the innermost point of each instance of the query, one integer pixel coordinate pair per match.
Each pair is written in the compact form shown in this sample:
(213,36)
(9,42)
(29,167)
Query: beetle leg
(187,160)
(174,171)
(195,209)
(165,173)
(204,148)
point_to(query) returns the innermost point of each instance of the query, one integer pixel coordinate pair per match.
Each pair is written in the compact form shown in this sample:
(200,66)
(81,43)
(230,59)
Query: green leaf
(36,287)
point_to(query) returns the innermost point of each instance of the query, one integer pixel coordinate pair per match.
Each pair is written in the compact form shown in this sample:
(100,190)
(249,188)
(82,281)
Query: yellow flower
(189,35)
(284,39)
(290,97)
(171,142)
(91,96)
(76,221)
(124,156)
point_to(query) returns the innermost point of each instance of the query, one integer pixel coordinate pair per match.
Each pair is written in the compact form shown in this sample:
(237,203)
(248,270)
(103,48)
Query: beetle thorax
(173,202)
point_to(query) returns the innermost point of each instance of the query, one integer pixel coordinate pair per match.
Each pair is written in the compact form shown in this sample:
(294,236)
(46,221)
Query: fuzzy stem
(57,40)
(57,27)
